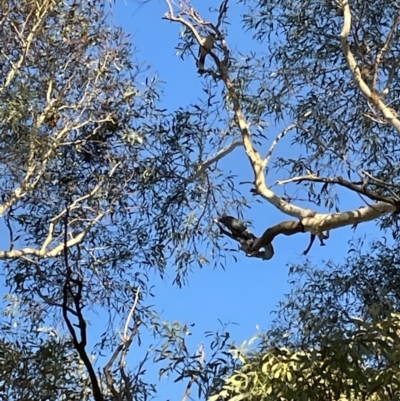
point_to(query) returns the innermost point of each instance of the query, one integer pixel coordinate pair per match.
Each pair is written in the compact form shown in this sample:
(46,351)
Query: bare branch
(385,47)
(131,312)
(122,350)
(55,219)
(171,16)
(275,142)
(73,289)
(256,161)
(309,220)
(108,375)
(17,253)
(361,189)
(380,182)
(325,222)
(127,343)
(372,95)
(285,228)
(347,51)
(201,356)
(41,14)
(218,156)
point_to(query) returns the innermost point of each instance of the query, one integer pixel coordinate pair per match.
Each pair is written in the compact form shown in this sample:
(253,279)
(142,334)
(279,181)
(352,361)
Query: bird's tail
(201,62)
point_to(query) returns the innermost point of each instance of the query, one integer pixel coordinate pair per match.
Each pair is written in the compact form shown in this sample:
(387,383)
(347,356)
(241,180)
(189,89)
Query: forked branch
(370,93)
(308,219)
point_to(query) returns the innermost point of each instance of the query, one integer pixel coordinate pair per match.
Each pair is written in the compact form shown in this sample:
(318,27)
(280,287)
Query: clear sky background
(245,292)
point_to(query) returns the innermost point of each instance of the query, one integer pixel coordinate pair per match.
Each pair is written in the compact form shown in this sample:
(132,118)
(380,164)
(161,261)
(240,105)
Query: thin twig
(344,183)
(384,49)
(201,355)
(219,155)
(131,312)
(275,142)
(223,9)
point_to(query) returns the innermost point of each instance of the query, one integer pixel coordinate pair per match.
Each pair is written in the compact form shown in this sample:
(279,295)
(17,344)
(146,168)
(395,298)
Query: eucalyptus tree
(336,336)
(99,187)
(325,75)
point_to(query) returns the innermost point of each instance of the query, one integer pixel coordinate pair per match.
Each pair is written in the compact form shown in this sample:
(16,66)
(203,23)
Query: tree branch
(41,13)
(372,95)
(218,156)
(75,292)
(309,220)
(122,350)
(275,142)
(17,253)
(385,47)
(325,222)
(360,189)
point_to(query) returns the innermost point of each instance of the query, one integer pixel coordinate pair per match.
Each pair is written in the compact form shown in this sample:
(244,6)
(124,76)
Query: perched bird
(237,228)
(206,45)
(239,232)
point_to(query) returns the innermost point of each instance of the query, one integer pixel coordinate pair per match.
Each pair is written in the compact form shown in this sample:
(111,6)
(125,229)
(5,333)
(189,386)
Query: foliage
(40,366)
(336,336)
(342,129)
(327,73)
(100,189)
(103,188)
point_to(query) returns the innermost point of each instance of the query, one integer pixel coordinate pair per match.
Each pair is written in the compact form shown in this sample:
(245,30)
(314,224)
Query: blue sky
(225,295)
(247,291)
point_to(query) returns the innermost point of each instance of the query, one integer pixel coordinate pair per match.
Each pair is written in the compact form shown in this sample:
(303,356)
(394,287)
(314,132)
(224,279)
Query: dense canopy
(104,187)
